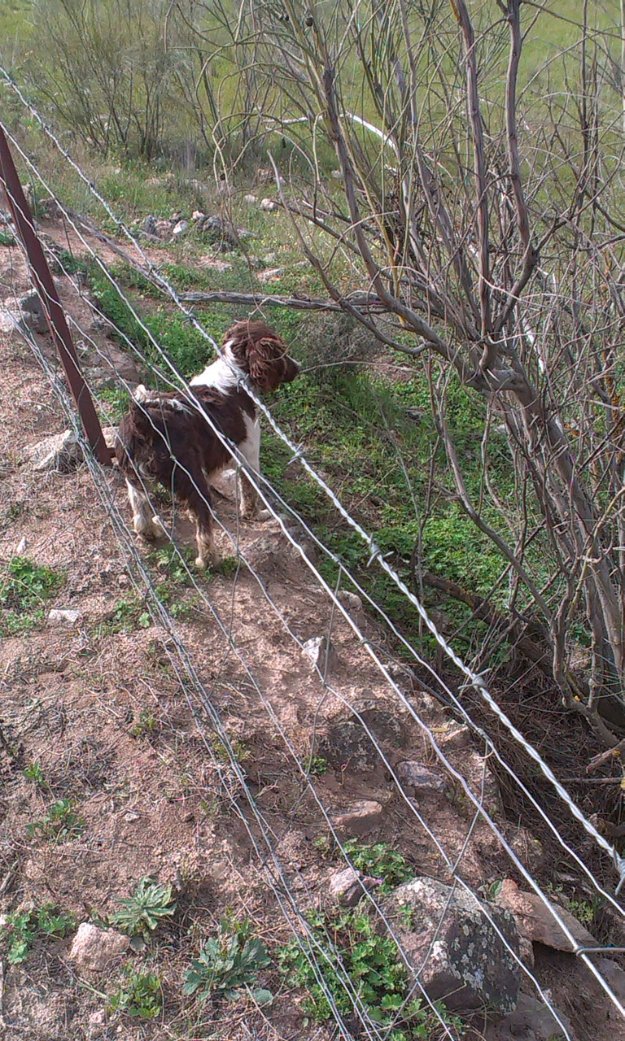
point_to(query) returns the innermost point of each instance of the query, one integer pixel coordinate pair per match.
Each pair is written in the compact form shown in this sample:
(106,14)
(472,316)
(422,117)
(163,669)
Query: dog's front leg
(144,521)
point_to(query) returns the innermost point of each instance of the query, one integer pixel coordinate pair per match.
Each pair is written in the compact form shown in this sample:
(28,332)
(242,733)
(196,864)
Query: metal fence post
(52,307)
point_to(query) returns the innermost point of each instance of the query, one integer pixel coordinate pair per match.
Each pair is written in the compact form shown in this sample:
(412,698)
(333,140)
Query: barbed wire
(474,679)
(458,777)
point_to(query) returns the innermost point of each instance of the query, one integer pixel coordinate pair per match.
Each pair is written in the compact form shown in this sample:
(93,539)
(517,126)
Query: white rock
(348,887)
(180,228)
(60,452)
(96,1024)
(268,205)
(321,653)
(197,215)
(250,199)
(271,275)
(21,546)
(64,616)
(95,950)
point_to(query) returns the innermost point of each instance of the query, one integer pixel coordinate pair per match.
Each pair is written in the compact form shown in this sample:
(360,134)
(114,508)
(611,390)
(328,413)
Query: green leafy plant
(24,589)
(127,615)
(381,861)
(23,928)
(146,724)
(60,824)
(7,239)
(143,912)
(114,401)
(139,995)
(358,961)
(228,964)
(33,772)
(317,765)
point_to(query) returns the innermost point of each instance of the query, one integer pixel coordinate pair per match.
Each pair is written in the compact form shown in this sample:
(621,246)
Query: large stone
(60,452)
(64,616)
(418,778)
(268,205)
(358,819)
(537,923)
(11,320)
(455,952)
(272,275)
(347,743)
(95,950)
(180,228)
(347,887)
(531,1021)
(30,311)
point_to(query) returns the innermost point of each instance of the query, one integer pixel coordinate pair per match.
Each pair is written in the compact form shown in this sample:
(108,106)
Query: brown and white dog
(165,438)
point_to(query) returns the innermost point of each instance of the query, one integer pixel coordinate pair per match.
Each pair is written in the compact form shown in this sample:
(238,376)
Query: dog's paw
(209,561)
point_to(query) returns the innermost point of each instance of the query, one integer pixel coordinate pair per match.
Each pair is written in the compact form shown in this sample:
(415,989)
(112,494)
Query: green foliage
(128,614)
(72,264)
(34,772)
(380,861)
(23,928)
(139,995)
(146,724)
(317,765)
(174,562)
(186,347)
(357,960)
(143,912)
(60,824)
(228,965)
(24,589)
(114,402)
(7,239)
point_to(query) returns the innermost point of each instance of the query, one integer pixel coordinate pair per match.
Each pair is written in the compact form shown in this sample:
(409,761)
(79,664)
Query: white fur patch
(222,374)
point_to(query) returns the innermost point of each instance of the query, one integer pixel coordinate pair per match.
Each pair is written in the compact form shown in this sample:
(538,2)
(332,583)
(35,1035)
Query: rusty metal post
(52,308)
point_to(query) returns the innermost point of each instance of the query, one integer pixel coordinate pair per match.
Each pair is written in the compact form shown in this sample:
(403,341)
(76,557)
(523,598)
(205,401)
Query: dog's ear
(267,360)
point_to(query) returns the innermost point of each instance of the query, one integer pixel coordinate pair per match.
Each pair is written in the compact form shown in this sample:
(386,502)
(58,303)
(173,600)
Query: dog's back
(165,427)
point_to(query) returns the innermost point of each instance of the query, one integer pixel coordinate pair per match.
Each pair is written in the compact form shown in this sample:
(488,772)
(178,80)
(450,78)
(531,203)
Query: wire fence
(173,377)
(206,714)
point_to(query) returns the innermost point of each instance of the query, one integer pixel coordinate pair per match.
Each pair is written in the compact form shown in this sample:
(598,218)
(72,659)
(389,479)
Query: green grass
(380,861)
(25,588)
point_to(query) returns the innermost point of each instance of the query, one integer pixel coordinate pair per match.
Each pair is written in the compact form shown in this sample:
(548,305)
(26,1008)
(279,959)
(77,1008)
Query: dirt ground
(107,711)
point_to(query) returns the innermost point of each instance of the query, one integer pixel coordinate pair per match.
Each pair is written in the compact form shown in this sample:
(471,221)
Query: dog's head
(261,354)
